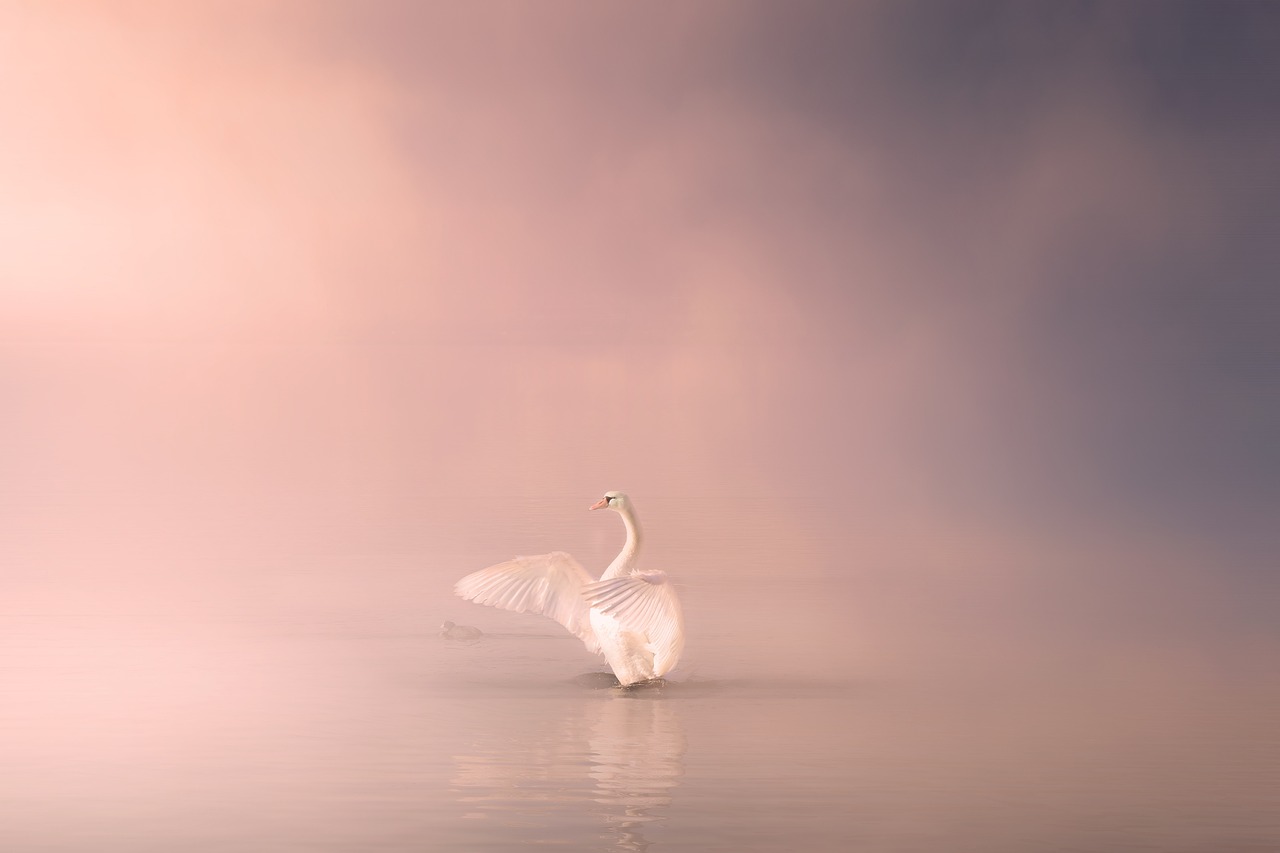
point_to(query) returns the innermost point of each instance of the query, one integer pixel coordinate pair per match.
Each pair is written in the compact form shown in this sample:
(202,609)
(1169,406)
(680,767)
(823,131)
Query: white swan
(631,617)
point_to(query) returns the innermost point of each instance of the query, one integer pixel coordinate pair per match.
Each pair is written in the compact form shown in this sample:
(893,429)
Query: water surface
(370,732)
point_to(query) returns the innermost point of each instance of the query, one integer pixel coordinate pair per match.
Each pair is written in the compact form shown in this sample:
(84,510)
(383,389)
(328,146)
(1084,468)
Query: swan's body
(629,616)
(450,631)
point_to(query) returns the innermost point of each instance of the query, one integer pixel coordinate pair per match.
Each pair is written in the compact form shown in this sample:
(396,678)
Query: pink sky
(298,300)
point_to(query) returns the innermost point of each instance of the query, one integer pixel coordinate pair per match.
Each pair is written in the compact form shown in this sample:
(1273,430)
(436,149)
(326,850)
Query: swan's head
(615,501)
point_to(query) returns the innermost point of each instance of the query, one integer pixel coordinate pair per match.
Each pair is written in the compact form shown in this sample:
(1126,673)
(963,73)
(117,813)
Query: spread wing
(548,584)
(644,603)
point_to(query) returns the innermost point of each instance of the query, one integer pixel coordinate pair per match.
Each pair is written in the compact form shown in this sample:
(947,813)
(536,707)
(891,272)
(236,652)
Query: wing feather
(547,584)
(644,603)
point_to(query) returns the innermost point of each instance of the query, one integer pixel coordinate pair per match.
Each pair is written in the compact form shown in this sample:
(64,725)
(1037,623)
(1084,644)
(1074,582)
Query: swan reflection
(611,758)
(637,757)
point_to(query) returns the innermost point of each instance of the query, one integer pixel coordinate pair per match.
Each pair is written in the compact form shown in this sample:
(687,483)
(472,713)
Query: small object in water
(451,631)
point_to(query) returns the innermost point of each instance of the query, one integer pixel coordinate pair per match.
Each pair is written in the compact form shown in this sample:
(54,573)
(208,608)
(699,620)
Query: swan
(450,631)
(629,616)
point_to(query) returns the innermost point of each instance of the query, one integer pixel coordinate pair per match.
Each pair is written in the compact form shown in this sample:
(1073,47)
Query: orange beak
(600,504)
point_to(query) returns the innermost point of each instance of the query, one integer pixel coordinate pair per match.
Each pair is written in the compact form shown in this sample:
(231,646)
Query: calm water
(367,733)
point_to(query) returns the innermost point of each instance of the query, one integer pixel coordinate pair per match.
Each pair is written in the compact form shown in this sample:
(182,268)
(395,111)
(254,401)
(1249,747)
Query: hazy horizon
(968,310)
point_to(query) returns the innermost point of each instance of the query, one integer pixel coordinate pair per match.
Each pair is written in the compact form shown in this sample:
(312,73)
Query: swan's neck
(626,558)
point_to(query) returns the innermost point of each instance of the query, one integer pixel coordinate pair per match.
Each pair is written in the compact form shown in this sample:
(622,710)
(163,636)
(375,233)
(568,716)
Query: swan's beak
(600,504)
